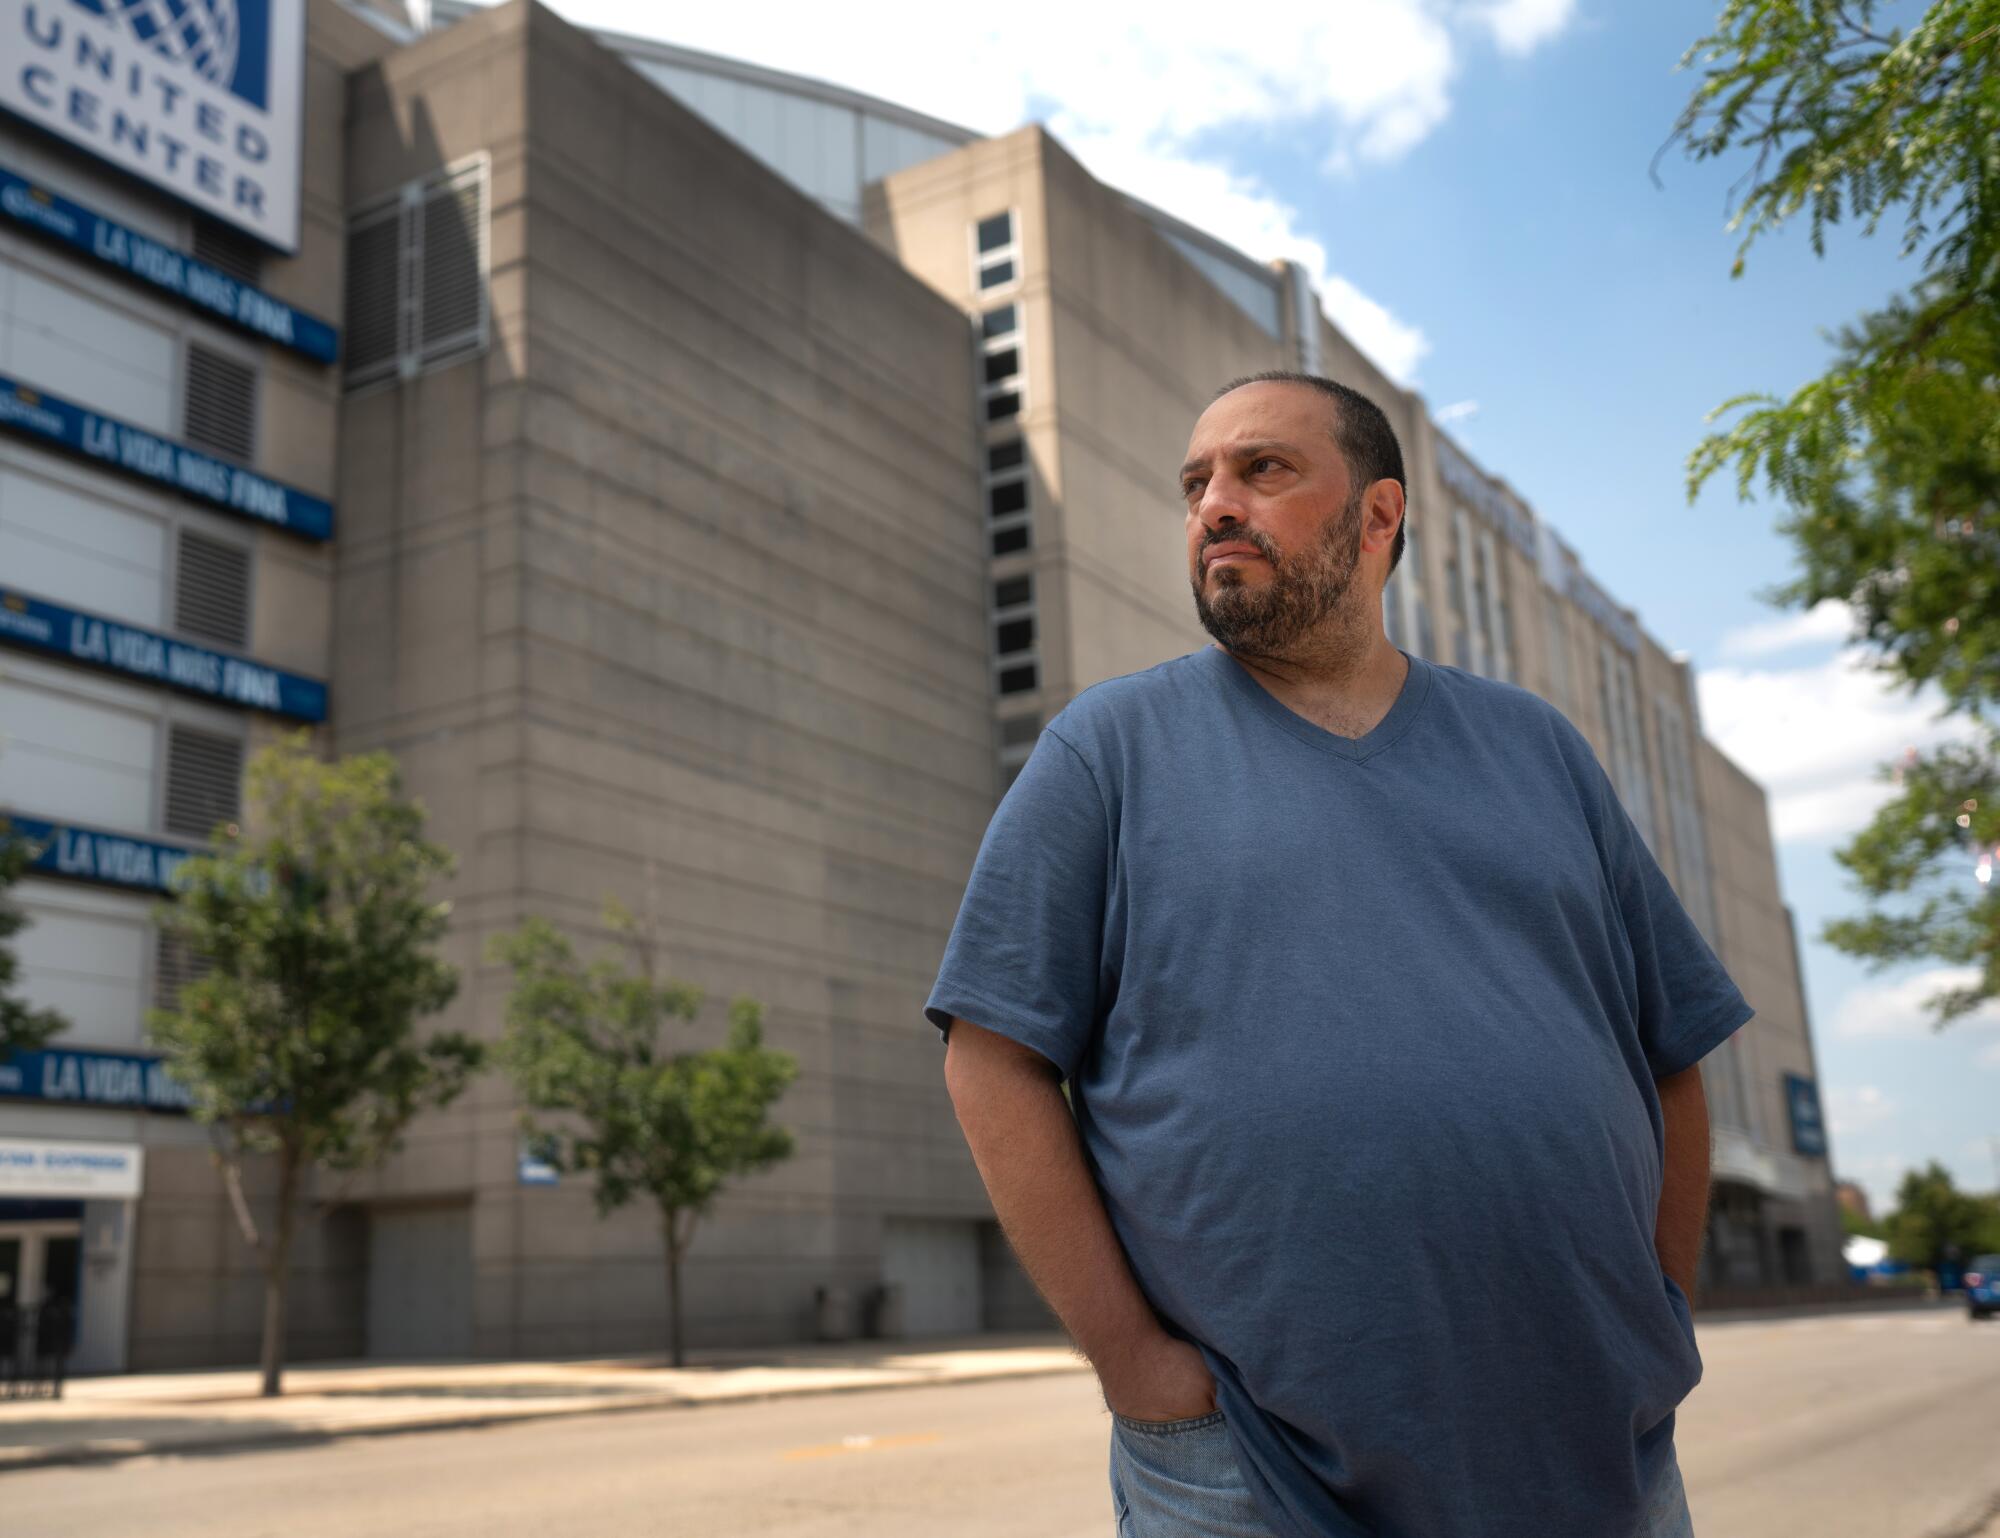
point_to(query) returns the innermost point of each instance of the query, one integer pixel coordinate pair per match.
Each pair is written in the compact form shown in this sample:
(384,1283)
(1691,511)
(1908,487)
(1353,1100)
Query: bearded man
(1377,1196)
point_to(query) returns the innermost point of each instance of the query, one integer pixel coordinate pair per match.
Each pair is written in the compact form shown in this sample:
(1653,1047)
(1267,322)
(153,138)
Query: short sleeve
(1688,1003)
(1024,954)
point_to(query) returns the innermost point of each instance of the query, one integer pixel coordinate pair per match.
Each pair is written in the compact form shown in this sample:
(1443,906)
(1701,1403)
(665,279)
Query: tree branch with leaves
(592,1042)
(299,1041)
(1888,463)
(22,1029)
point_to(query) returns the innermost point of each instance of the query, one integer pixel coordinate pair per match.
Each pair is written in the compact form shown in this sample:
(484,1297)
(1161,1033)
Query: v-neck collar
(1416,687)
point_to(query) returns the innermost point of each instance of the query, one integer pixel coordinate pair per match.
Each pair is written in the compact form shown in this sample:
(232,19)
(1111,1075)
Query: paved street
(1882,1426)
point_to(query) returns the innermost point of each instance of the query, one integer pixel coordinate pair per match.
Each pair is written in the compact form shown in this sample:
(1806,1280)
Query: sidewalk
(105,1419)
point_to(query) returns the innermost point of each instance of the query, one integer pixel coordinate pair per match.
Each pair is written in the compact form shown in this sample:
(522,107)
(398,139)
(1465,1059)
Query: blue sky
(1468,181)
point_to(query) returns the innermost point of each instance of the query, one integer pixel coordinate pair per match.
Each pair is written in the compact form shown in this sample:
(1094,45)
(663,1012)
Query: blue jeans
(1180,1479)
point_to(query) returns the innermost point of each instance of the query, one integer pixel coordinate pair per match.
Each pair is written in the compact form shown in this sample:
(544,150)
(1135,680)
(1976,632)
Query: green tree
(1933,1216)
(21,1029)
(590,1041)
(299,1042)
(1888,462)
(1853,1223)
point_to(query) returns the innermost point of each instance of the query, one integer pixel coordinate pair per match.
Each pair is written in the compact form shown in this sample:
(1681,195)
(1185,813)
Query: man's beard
(1305,590)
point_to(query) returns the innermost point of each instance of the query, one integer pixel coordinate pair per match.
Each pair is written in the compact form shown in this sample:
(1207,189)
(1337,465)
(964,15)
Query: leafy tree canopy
(315,930)
(1888,463)
(1933,1217)
(21,1029)
(643,1120)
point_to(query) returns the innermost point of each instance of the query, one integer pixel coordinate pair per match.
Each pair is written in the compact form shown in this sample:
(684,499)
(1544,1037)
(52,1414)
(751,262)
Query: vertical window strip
(996,251)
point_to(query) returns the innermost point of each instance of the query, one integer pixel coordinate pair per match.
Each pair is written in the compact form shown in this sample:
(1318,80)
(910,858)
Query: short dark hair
(1367,441)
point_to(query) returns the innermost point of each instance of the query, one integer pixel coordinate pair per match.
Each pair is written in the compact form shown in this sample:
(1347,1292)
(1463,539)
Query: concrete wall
(1757,944)
(1142,341)
(1125,344)
(676,595)
(196,1285)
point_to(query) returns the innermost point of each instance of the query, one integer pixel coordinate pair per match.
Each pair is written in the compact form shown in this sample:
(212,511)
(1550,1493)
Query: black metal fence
(34,1348)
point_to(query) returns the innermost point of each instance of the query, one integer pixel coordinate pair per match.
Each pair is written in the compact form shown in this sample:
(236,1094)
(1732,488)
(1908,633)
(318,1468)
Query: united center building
(706,482)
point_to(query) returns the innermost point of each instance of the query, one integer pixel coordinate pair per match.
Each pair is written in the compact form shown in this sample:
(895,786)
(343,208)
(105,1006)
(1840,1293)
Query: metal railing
(35,1344)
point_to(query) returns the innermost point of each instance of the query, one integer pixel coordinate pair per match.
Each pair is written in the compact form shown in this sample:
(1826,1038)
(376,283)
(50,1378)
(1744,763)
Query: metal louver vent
(373,329)
(221,404)
(204,780)
(417,276)
(174,967)
(212,590)
(227,251)
(454,270)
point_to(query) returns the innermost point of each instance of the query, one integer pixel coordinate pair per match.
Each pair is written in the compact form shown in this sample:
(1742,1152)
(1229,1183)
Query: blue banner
(140,256)
(126,1081)
(192,473)
(1808,1130)
(125,649)
(91,854)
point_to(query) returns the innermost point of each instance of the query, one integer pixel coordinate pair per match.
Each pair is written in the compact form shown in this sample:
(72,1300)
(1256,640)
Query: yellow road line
(860,1444)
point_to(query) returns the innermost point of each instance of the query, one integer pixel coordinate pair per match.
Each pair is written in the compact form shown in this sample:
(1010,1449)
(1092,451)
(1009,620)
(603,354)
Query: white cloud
(1897,1008)
(1521,26)
(1829,620)
(1815,735)
(1457,411)
(1137,94)
(1396,348)
(1849,1111)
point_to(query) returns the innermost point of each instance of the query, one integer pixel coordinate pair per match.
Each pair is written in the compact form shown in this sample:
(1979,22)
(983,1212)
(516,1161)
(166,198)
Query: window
(1014,657)
(1007,500)
(1684,818)
(1618,694)
(1492,590)
(1558,629)
(1021,732)
(1017,741)
(995,232)
(1002,366)
(416,276)
(1014,635)
(996,251)
(1001,356)
(1006,497)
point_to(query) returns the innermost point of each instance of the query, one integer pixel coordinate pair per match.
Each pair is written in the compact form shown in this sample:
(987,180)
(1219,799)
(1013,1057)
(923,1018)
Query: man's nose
(1219,505)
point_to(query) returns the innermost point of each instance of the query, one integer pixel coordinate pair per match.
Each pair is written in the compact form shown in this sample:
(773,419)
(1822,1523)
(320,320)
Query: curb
(259,1439)
(1778,1313)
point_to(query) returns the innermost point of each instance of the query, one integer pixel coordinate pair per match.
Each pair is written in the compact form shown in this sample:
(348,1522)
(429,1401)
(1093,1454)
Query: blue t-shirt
(1361,1035)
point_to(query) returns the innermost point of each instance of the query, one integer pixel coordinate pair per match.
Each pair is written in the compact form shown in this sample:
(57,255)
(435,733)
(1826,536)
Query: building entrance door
(41,1273)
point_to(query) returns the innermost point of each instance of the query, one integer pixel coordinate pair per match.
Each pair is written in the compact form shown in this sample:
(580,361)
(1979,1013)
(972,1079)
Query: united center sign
(199,97)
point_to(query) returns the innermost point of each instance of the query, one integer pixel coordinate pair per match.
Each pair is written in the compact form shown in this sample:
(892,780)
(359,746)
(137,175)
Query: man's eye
(1257,464)
(1192,488)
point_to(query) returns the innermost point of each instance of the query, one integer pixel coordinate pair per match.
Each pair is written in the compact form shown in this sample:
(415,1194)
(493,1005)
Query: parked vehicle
(1982,1286)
